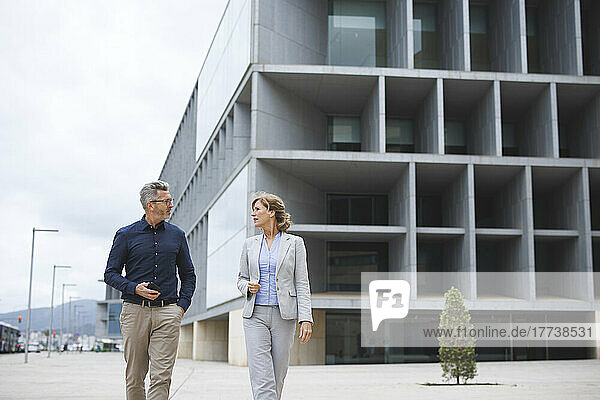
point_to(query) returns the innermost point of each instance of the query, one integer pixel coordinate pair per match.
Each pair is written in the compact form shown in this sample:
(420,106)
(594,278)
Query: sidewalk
(100,376)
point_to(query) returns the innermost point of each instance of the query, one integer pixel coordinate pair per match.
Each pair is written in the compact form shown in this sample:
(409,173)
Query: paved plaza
(100,376)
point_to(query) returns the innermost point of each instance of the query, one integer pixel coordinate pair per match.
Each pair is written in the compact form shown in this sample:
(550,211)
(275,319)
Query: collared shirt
(151,255)
(267,264)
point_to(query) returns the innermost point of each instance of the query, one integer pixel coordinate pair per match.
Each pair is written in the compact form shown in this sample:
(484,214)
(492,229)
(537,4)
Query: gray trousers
(149,335)
(269,339)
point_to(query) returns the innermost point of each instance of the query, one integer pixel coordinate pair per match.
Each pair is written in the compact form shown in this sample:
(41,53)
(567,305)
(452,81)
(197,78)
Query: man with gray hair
(153,253)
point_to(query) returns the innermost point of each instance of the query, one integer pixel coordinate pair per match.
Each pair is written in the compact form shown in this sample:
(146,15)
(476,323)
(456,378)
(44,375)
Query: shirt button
(155,243)
(155,233)
(155,254)
(156,265)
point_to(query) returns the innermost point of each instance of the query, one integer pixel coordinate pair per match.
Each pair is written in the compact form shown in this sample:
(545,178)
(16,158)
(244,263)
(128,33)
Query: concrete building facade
(403,135)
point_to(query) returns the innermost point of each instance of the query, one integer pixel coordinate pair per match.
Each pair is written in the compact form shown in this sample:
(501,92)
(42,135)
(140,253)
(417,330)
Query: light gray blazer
(291,277)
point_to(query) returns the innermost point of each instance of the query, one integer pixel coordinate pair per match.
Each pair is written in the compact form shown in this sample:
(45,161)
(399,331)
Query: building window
(425,29)
(399,136)
(343,133)
(454,133)
(346,260)
(114,311)
(357,34)
(349,209)
(480,50)
(533,42)
(343,341)
(509,139)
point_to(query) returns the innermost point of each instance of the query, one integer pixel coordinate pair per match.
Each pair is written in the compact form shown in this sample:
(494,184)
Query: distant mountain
(40,318)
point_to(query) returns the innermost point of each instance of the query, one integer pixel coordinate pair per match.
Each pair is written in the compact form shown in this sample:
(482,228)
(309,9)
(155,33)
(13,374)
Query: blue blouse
(267,264)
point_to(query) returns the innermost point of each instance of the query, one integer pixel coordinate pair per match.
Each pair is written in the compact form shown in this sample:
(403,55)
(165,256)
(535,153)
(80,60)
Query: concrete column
(381,116)
(529,241)
(241,135)
(210,341)
(483,124)
(370,121)
(523,36)
(253,109)
(184,350)
(470,237)
(506,52)
(400,33)
(597,314)
(236,349)
(497,119)
(313,352)
(430,122)
(411,229)
(555,150)
(560,37)
(454,24)
(538,130)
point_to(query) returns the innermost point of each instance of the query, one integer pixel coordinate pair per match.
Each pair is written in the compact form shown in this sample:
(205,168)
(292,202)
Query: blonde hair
(273,202)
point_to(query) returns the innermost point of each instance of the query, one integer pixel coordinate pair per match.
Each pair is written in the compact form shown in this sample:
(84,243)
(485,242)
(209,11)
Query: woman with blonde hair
(273,279)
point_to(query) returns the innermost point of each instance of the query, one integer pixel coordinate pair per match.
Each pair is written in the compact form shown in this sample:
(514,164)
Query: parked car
(34,347)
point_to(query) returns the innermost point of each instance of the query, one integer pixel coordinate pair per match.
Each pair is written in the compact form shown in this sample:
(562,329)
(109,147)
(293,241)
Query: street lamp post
(30,285)
(69,326)
(62,310)
(52,305)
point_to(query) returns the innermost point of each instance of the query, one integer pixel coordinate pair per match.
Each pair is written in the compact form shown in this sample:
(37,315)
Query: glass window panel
(356,33)
(454,132)
(225,65)
(226,234)
(114,311)
(343,344)
(425,41)
(346,261)
(357,209)
(399,135)
(343,133)
(480,52)
(429,211)
(509,139)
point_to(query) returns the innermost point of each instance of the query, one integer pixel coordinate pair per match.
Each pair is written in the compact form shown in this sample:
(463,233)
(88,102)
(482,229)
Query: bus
(9,338)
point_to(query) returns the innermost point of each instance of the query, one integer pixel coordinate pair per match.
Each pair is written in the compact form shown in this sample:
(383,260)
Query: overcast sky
(91,95)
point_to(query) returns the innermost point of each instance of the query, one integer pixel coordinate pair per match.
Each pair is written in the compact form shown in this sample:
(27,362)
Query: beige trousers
(149,335)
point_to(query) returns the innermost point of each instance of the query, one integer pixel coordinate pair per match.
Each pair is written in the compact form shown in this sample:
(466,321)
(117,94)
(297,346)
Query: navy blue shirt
(151,255)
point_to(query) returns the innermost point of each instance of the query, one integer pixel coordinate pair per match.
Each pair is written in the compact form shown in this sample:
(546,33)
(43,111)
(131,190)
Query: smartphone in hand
(153,286)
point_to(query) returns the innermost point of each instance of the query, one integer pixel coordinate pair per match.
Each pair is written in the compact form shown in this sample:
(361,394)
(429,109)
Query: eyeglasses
(166,201)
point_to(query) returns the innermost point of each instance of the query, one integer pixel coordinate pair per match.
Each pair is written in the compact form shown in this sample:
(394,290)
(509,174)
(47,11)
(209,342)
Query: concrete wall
(506,53)
(370,123)
(430,122)
(313,352)
(305,202)
(537,131)
(483,125)
(400,34)
(560,37)
(454,35)
(236,349)
(210,340)
(291,32)
(184,349)
(286,121)
(181,160)
(590,30)
(197,244)
(583,131)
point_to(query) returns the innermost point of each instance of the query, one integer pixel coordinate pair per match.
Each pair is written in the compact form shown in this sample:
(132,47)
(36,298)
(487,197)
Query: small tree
(457,353)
